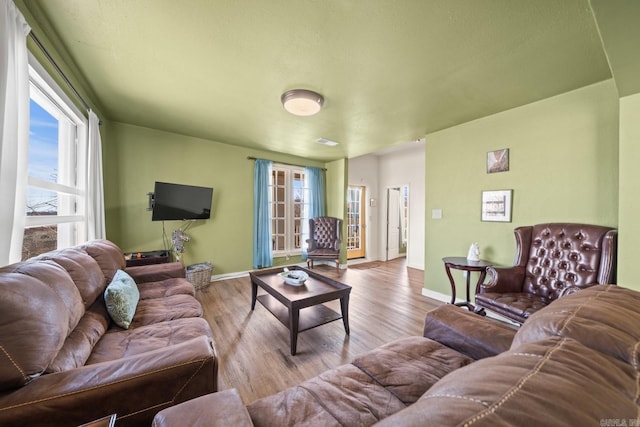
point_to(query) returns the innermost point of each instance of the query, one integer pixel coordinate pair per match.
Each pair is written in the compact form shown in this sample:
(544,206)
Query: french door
(355,222)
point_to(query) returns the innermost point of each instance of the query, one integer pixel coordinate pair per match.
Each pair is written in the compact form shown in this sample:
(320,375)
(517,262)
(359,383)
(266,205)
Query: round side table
(463,264)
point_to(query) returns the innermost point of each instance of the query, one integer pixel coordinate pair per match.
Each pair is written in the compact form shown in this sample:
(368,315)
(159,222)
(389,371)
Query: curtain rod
(38,43)
(282,163)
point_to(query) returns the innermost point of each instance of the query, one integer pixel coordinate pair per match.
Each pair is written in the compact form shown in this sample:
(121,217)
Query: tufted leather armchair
(324,241)
(552,260)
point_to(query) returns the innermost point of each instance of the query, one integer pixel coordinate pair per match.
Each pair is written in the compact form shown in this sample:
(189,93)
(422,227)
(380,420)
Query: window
(289,209)
(56,174)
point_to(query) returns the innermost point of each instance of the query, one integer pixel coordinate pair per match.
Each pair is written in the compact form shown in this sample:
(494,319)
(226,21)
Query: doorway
(397,222)
(355,222)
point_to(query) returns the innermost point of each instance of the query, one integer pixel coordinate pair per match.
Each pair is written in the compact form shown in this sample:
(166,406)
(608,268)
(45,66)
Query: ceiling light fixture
(302,102)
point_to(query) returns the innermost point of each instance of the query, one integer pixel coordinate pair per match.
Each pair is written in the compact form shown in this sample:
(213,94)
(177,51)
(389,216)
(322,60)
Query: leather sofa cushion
(466,332)
(344,396)
(407,367)
(120,343)
(157,272)
(557,381)
(391,377)
(108,256)
(324,252)
(34,323)
(84,271)
(521,304)
(56,277)
(156,310)
(166,288)
(605,318)
(79,344)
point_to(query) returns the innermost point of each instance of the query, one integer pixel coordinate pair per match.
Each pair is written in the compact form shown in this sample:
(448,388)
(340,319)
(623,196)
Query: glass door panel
(355,222)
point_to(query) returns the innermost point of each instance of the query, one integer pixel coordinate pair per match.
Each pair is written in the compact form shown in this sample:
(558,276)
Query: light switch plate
(436,213)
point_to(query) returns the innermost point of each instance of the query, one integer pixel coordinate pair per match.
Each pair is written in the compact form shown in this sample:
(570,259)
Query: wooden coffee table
(285,301)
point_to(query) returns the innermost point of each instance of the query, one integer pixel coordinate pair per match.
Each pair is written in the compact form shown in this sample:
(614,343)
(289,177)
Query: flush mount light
(302,102)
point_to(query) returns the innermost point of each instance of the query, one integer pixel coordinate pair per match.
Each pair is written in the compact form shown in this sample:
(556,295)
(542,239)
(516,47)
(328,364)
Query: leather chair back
(566,255)
(325,232)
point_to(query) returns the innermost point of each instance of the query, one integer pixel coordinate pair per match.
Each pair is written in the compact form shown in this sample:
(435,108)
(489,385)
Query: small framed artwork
(498,161)
(496,205)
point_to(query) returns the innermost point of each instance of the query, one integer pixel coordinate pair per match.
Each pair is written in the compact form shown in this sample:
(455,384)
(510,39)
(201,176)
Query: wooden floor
(253,347)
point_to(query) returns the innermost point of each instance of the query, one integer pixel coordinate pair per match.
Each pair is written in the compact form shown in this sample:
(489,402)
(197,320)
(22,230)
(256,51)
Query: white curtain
(95,192)
(14,128)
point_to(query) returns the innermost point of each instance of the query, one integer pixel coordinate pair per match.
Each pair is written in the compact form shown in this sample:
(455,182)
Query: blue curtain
(317,205)
(262,245)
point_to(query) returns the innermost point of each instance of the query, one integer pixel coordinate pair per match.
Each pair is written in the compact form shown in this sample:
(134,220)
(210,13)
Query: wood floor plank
(386,303)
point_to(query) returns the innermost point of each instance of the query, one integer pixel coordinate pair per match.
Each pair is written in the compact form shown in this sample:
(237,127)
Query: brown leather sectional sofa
(63,361)
(574,362)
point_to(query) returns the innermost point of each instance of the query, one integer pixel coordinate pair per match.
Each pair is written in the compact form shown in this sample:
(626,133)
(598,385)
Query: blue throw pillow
(121,298)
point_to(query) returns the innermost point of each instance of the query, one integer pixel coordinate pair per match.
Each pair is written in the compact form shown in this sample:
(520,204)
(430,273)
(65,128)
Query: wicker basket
(199,274)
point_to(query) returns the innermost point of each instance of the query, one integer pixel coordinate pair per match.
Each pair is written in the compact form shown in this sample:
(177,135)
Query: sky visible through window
(43,158)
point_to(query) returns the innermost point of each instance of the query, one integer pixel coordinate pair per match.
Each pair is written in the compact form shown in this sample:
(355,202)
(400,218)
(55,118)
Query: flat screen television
(181,202)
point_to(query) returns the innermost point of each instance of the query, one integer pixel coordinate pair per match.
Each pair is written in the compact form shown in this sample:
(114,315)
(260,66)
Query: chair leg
(480,311)
(338,265)
(309,263)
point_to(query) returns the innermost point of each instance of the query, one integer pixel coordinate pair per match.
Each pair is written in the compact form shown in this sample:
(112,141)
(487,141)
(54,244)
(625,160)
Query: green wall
(629,191)
(136,157)
(337,184)
(563,168)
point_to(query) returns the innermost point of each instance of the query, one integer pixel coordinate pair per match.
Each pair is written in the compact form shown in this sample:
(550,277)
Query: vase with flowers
(178,239)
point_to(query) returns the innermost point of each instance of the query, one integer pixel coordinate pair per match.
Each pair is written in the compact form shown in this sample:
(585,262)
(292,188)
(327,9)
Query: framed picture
(498,161)
(496,205)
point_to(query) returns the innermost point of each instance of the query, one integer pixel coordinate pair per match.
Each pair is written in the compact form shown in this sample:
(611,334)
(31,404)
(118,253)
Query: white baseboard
(436,295)
(234,275)
(360,261)
(416,267)
(217,277)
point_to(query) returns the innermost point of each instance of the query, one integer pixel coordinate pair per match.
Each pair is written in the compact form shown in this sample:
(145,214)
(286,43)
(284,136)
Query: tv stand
(145,258)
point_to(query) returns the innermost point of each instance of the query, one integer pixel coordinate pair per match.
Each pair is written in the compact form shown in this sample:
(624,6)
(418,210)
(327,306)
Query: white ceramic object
(474,252)
(294,277)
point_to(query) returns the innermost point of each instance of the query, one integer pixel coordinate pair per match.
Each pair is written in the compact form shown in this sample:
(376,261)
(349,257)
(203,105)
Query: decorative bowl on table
(294,277)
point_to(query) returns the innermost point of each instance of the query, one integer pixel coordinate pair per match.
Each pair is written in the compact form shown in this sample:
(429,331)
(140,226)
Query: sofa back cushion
(108,256)
(557,381)
(38,308)
(80,343)
(605,318)
(84,271)
(58,279)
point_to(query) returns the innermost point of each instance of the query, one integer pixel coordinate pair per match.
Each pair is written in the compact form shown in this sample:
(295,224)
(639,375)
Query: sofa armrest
(224,408)
(134,388)
(469,333)
(503,280)
(156,272)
